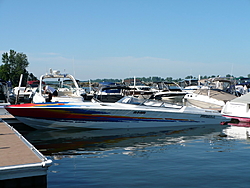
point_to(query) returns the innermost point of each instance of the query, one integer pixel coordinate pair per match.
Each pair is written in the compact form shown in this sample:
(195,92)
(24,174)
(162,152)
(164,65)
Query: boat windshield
(147,102)
(130,100)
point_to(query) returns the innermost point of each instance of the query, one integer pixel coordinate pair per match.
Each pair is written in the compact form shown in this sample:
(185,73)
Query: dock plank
(14,151)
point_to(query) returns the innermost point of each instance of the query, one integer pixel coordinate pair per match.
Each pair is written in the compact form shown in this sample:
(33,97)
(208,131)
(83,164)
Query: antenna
(74,66)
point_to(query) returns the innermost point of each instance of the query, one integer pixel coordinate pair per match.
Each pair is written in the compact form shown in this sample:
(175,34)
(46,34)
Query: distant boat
(212,95)
(129,112)
(190,85)
(110,92)
(140,91)
(168,92)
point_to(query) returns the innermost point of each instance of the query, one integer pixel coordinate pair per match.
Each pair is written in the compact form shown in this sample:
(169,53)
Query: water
(210,156)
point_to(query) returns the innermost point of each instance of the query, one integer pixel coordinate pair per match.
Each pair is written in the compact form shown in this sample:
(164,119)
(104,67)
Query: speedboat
(238,108)
(128,112)
(66,92)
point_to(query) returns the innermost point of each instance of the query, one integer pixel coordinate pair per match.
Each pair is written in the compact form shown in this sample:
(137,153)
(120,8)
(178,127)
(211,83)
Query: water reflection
(238,131)
(72,142)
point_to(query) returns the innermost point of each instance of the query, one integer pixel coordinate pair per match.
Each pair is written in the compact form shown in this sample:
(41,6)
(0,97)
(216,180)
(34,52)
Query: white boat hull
(238,108)
(110,115)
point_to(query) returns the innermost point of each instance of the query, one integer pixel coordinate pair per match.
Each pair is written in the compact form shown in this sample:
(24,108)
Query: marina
(67,126)
(125,94)
(113,129)
(140,142)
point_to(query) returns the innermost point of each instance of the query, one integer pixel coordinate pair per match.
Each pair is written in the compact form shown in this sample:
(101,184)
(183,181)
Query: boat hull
(109,116)
(235,110)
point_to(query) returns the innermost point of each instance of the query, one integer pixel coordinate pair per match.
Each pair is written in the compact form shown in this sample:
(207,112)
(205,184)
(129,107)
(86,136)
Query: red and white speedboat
(129,112)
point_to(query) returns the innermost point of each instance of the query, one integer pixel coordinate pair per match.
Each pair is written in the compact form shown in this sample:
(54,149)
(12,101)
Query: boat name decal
(139,112)
(207,116)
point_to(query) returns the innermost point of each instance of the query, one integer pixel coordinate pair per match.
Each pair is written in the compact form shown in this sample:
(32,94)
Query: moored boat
(238,108)
(129,112)
(25,94)
(168,92)
(110,92)
(212,95)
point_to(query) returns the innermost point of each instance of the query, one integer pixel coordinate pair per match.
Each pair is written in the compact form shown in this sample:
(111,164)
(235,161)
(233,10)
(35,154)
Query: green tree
(229,75)
(170,79)
(14,64)
(189,77)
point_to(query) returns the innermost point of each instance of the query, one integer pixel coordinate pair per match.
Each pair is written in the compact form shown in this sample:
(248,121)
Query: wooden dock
(21,164)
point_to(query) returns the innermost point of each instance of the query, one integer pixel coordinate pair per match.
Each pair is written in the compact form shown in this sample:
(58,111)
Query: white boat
(190,85)
(129,112)
(140,91)
(66,93)
(25,94)
(110,92)
(238,108)
(168,92)
(214,95)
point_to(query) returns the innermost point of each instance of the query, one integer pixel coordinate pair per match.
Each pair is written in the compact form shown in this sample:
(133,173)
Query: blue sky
(125,38)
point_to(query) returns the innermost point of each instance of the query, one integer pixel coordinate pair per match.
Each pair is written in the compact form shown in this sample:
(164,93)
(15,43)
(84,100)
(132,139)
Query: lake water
(210,156)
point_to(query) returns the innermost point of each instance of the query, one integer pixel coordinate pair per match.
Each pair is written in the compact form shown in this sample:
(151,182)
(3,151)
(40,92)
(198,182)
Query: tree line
(160,79)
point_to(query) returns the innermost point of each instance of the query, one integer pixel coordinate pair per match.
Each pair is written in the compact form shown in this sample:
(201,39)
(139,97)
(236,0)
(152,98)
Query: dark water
(210,156)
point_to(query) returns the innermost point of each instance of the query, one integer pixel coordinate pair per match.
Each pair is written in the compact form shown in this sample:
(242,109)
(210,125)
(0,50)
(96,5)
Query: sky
(93,39)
